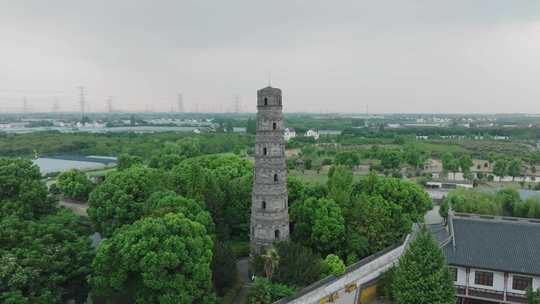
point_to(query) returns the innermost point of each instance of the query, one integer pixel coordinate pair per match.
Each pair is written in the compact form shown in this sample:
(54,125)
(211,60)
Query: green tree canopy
(156,260)
(422,275)
(507,199)
(415,156)
(292,269)
(224,273)
(533,296)
(44,261)
(126,161)
(450,163)
(340,181)
(120,198)
(333,265)
(465,163)
(22,192)
(318,223)
(163,202)
(515,168)
(412,199)
(500,168)
(347,158)
(470,201)
(381,222)
(75,184)
(266,292)
(390,159)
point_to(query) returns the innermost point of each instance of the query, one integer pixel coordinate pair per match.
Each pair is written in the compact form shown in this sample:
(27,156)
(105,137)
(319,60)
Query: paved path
(242,266)
(433,217)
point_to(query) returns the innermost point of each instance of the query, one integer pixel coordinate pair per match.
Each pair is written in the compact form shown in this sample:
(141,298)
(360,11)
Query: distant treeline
(112,144)
(514,133)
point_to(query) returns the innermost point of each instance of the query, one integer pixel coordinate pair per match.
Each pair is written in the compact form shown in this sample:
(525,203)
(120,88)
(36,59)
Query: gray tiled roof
(439,233)
(495,244)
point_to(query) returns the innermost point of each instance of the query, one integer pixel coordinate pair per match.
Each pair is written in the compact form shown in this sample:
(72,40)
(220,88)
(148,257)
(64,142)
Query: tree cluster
(45,251)
(158,220)
(421,276)
(505,202)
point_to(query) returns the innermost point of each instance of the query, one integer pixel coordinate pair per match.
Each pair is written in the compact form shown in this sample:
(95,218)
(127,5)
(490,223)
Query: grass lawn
(441,148)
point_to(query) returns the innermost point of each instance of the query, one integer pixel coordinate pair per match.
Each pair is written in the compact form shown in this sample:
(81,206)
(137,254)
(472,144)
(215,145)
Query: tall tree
(465,163)
(224,274)
(156,260)
(319,224)
(381,222)
(390,159)
(413,200)
(415,157)
(340,181)
(500,168)
(422,275)
(449,163)
(292,269)
(515,168)
(120,198)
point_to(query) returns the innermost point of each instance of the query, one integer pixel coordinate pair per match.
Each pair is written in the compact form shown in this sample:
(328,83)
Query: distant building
(289,133)
(312,133)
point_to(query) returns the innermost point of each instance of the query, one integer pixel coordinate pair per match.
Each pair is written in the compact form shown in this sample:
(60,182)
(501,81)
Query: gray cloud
(396,56)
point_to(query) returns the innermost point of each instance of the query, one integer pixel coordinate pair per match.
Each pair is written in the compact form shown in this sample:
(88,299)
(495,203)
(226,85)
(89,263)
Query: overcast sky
(327,56)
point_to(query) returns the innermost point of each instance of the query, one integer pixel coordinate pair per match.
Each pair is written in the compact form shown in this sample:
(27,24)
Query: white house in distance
(312,133)
(289,133)
(492,259)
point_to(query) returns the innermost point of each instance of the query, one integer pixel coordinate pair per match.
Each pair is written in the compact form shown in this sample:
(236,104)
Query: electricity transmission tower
(237,106)
(109,104)
(56,106)
(25,105)
(82,101)
(180,103)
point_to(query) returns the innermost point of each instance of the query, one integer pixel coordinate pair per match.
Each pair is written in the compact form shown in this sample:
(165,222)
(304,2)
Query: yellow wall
(368,295)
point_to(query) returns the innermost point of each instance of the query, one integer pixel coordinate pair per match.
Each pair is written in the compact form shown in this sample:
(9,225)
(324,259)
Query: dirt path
(243,273)
(78,208)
